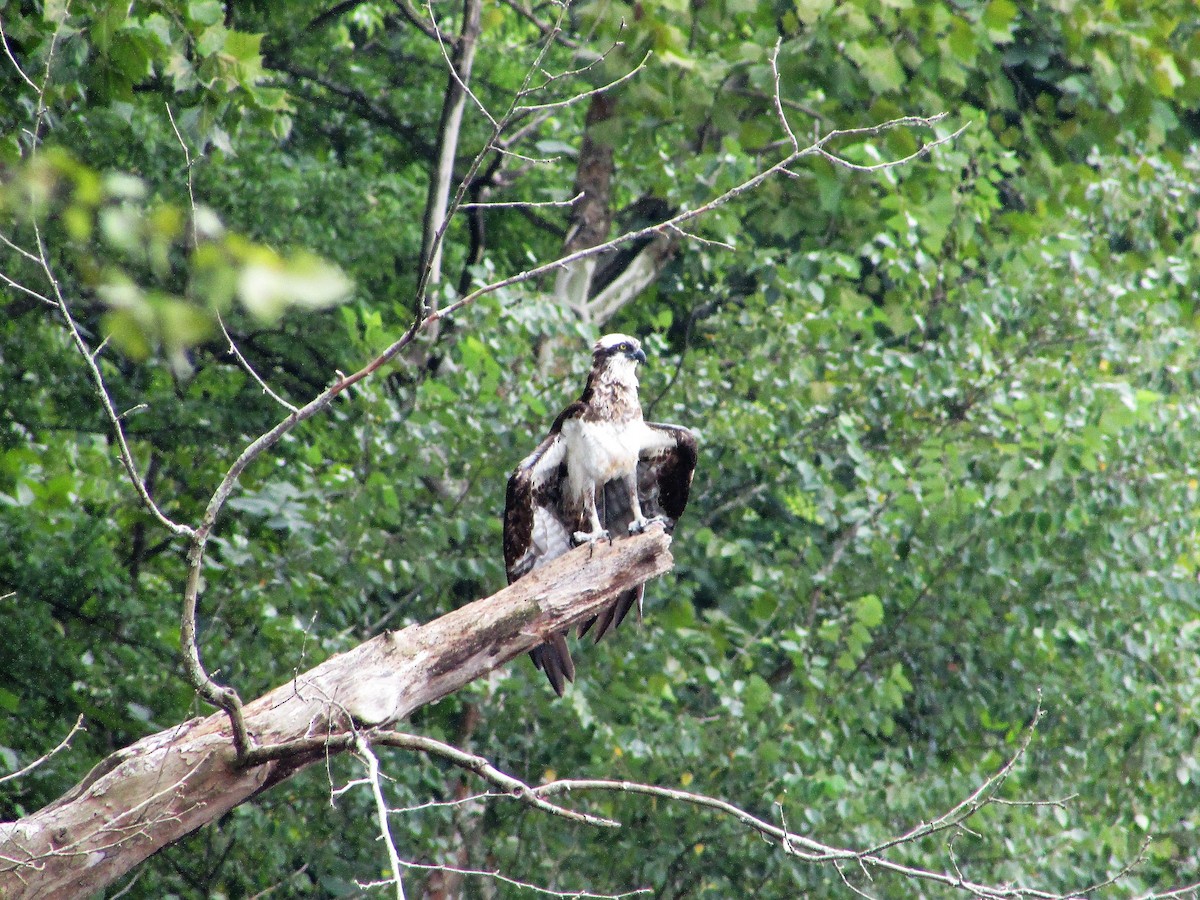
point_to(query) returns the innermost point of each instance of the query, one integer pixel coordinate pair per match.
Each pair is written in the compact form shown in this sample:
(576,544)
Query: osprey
(600,473)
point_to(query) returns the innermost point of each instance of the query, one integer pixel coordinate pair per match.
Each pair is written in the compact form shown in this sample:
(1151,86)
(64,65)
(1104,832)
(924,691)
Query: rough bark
(166,785)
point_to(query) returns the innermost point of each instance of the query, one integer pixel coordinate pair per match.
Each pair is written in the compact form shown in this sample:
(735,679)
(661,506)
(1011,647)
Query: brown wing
(538,524)
(665,472)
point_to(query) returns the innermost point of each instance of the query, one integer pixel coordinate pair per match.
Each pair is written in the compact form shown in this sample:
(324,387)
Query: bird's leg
(598,532)
(640,523)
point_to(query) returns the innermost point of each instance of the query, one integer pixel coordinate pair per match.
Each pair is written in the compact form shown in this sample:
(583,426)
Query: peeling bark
(168,784)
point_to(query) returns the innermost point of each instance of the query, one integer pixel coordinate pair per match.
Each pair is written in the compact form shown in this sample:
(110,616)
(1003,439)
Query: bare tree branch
(526,204)
(575,99)
(480,766)
(363,749)
(449,129)
(12,59)
(168,784)
(62,745)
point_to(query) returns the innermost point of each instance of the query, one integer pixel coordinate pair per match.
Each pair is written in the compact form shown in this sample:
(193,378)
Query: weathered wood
(166,785)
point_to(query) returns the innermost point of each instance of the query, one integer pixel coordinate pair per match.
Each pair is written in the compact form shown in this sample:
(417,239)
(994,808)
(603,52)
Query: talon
(586,537)
(637,526)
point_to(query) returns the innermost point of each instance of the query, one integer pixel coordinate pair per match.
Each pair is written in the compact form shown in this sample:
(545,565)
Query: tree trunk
(591,216)
(449,129)
(628,274)
(166,785)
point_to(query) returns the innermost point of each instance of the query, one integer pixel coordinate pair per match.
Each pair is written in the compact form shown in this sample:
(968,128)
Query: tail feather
(612,616)
(554,658)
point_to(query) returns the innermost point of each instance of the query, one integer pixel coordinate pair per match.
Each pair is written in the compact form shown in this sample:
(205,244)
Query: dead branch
(62,745)
(166,785)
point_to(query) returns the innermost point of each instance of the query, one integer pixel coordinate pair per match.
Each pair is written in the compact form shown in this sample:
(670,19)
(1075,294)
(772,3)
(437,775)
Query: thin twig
(266,388)
(923,150)
(466,89)
(42,109)
(12,59)
(710,242)
(363,748)
(62,745)
(576,98)
(536,160)
(552,78)
(971,804)
(525,204)
(514,787)
(187,161)
(17,286)
(778,96)
(498,876)
(19,249)
(98,379)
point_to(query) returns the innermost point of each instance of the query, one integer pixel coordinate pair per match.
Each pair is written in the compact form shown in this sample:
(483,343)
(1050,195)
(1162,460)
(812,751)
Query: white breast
(598,452)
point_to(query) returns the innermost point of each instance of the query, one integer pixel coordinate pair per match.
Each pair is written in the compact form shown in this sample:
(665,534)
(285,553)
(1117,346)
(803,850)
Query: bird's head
(618,350)
(615,358)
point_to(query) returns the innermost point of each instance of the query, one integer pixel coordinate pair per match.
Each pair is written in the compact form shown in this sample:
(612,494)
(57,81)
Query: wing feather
(539,520)
(665,469)
(534,519)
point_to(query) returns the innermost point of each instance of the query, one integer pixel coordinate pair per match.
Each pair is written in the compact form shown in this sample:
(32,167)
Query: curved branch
(168,784)
(62,745)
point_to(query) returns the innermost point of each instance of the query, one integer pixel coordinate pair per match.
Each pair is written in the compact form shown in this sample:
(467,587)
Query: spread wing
(666,464)
(538,524)
(540,519)
(665,469)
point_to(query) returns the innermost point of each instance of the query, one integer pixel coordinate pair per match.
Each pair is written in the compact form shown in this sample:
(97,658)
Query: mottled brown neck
(612,398)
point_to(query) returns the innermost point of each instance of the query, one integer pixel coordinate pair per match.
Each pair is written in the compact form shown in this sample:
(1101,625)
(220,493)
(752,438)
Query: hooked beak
(638,355)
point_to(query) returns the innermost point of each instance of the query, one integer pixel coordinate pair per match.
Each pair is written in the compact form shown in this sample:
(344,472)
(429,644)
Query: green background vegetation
(948,415)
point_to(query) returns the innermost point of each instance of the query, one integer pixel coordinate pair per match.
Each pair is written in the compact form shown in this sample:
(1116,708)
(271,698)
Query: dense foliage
(947,414)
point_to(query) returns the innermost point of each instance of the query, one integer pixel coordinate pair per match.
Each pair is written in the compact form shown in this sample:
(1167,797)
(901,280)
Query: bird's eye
(624,348)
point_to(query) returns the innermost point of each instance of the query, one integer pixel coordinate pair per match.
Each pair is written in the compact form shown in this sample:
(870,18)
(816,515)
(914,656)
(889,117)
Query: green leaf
(206,12)
(757,695)
(269,284)
(879,64)
(999,18)
(869,611)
